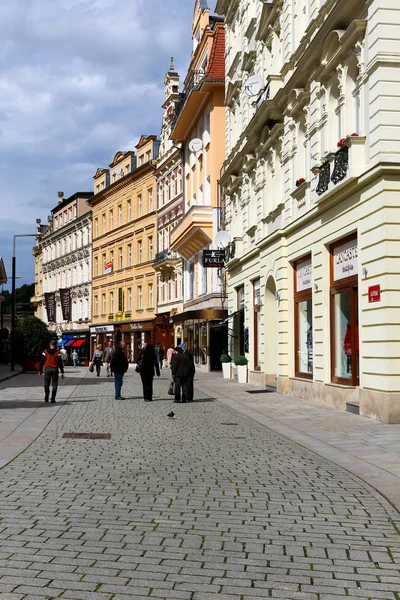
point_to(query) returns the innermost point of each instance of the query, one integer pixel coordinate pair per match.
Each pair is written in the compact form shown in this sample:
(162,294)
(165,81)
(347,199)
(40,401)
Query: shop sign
(374,293)
(120,300)
(50,302)
(304,275)
(213,258)
(136,326)
(345,260)
(102,329)
(111,317)
(108,267)
(127,315)
(65,296)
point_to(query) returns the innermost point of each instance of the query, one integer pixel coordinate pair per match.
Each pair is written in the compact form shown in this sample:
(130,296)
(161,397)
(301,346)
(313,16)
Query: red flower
(300,181)
(341,142)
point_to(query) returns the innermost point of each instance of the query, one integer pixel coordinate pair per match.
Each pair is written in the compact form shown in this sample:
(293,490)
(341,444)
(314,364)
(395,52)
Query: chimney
(60,197)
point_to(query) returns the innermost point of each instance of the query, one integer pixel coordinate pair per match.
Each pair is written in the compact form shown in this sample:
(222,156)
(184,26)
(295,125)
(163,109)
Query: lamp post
(13,278)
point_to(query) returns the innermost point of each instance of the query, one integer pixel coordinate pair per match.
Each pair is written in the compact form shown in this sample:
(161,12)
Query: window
(129,210)
(112,258)
(150,248)
(140,205)
(97,188)
(104,224)
(150,200)
(96,266)
(111,219)
(111,302)
(104,304)
(127,168)
(96,305)
(129,294)
(120,259)
(141,160)
(150,295)
(129,255)
(140,297)
(148,155)
(96,227)
(120,215)
(104,261)
(303,326)
(190,268)
(140,252)
(344,312)
(70,214)
(257,322)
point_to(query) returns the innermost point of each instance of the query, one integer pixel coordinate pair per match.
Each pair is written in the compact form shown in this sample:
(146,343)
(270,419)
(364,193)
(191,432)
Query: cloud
(79,80)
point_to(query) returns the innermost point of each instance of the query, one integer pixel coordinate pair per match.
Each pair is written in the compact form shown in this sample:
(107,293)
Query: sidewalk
(24,415)
(369,449)
(6,373)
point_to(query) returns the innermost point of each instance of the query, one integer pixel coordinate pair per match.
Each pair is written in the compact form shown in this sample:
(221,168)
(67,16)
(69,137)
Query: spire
(172,66)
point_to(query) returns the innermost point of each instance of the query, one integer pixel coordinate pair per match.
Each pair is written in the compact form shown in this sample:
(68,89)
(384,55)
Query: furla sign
(345,260)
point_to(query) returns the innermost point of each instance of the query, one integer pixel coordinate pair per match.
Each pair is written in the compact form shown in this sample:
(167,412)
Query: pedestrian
(170,353)
(181,368)
(107,356)
(160,356)
(75,358)
(148,364)
(192,374)
(50,363)
(119,366)
(64,355)
(98,359)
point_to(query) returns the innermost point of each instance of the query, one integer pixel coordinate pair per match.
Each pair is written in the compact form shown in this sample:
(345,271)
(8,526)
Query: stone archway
(271,332)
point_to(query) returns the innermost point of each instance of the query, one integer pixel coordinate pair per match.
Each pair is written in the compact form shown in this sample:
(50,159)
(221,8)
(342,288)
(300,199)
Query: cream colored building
(199,119)
(124,247)
(311,184)
(170,208)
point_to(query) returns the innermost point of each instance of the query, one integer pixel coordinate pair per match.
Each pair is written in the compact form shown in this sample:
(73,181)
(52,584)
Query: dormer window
(196,39)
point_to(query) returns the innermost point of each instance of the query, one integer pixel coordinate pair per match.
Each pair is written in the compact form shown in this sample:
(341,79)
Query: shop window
(303,332)
(256,323)
(344,312)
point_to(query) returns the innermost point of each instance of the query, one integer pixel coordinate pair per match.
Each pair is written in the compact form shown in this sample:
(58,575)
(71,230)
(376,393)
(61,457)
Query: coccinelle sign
(374,293)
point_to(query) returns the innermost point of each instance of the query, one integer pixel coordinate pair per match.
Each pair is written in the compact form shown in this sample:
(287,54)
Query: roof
(3,274)
(216,64)
(64,203)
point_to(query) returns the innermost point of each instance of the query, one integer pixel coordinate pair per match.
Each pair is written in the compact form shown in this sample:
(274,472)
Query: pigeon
(171,414)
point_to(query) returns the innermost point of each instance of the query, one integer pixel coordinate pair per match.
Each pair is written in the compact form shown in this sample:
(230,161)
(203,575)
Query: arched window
(335,125)
(353,124)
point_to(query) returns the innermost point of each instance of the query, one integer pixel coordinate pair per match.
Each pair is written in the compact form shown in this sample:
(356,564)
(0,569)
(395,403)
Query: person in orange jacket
(50,363)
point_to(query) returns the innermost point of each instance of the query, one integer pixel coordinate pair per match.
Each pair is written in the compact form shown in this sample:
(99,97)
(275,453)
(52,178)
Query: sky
(79,80)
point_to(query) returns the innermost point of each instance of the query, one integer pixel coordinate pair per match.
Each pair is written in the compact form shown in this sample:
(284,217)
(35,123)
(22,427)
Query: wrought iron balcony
(166,259)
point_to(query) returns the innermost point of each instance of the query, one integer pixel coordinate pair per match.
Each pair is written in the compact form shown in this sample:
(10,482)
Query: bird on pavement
(171,414)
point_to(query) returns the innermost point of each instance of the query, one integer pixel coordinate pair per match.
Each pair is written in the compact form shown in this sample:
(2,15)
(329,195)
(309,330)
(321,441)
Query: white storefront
(311,184)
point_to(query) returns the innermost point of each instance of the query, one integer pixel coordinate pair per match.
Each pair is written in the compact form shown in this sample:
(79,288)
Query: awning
(207,314)
(60,343)
(233,315)
(77,343)
(69,343)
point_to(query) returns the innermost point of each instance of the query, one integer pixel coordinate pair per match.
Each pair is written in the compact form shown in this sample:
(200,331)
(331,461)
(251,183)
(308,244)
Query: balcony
(339,168)
(194,231)
(166,260)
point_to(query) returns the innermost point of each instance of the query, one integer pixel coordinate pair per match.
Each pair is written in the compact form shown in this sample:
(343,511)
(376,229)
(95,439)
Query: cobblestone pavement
(206,505)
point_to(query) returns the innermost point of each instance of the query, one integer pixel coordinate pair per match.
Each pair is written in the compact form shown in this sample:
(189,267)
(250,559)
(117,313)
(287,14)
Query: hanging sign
(120,299)
(50,302)
(214,258)
(374,293)
(304,275)
(108,267)
(65,295)
(345,260)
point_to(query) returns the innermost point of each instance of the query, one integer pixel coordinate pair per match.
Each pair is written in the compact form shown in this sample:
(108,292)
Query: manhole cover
(87,436)
(229,423)
(259,391)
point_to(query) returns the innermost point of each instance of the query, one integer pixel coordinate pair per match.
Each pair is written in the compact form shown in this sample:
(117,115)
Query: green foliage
(225,358)
(241,361)
(31,337)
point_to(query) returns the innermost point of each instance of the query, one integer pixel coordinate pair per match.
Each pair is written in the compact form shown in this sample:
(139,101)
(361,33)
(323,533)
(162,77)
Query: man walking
(75,358)
(50,363)
(181,368)
(119,366)
(107,356)
(191,375)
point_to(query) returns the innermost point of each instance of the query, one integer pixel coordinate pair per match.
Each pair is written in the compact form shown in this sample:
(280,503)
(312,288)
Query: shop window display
(304,352)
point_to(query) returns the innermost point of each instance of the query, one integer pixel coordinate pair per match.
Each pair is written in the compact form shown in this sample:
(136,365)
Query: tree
(30,338)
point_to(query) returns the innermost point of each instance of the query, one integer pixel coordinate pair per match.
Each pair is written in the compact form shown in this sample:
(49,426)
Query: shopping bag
(138,366)
(171,389)
(91,367)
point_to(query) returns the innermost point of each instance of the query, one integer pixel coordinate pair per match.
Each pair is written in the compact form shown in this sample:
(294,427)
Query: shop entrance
(271,332)
(218,345)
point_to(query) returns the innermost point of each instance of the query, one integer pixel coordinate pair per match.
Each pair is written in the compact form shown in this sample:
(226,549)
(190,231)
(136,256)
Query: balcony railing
(165,255)
(194,81)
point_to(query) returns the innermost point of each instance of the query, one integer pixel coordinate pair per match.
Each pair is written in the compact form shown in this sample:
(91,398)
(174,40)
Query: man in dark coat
(148,365)
(119,366)
(191,375)
(181,368)
(50,363)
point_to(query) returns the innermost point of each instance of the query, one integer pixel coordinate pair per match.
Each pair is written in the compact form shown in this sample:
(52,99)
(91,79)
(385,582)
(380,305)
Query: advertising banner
(65,295)
(50,301)
(108,267)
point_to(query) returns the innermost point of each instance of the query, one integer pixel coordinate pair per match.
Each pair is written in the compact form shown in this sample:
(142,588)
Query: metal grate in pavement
(260,391)
(229,423)
(87,436)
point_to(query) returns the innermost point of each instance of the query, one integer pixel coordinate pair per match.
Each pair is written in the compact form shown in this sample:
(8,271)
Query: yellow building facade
(124,246)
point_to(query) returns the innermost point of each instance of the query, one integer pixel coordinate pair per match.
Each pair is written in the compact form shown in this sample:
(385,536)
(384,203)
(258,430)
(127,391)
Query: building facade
(65,249)
(199,126)
(37,299)
(170,207)
(311,187)
(124,247)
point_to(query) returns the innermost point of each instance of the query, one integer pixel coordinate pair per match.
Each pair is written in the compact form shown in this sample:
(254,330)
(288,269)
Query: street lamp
(3,280)
(13,278)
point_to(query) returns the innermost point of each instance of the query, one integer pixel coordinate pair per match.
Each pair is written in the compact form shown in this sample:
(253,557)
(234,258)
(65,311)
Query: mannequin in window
(309,343)
(347,343)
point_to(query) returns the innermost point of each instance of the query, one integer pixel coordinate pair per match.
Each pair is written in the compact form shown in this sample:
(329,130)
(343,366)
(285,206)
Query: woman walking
(98,359)
(148,364)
